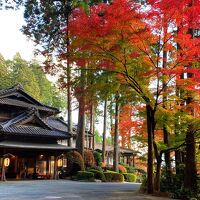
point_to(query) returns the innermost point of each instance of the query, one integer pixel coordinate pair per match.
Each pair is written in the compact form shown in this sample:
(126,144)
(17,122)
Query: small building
(29,137)
(126,155)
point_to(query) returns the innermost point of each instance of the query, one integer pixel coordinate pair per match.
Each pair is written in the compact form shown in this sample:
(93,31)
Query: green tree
(22,73)
(5,80)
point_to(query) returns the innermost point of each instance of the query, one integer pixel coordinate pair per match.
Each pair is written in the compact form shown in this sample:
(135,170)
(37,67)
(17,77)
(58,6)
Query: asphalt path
(68,190)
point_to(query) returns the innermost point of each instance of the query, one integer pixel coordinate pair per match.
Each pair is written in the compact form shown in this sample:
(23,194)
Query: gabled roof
(110,148)
(20,126)
(57,124)
(23,118)
(18,97)
(33,132)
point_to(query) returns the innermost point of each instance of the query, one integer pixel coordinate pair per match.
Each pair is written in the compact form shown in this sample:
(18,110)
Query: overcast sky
(11,38)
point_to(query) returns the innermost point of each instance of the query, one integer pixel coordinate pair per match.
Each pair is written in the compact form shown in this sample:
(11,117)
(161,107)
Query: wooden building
(126,155)
(30,137)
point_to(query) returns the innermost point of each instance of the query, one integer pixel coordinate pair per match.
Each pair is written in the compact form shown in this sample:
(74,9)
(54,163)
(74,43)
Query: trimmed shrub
(98,168)
(122,169)
(88,158)
(98,174)
(108,176)
(129,177)
(117,177)
(97,158)
(75,162)
(113,176)
(84,175)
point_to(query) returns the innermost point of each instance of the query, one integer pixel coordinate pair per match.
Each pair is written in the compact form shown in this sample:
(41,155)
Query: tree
(15,71)
(123,44)
(20,69)
(5,81)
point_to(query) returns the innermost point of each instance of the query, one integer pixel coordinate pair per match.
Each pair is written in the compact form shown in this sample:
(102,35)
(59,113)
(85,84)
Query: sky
(11,38)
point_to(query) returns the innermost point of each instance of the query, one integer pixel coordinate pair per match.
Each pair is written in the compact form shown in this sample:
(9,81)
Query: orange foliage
(122,169)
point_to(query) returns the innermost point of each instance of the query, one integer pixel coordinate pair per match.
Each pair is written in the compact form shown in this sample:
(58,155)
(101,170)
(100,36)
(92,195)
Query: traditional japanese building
(126,155)
(30,137)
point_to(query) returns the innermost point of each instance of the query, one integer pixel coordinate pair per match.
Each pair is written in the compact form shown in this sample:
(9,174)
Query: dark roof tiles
(33,131)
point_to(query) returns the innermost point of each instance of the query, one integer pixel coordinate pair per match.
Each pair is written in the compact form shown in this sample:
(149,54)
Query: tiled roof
(28,145)
(33,132)
(15,102)
(19,92)
(57,124)
(17,126)
(23,118)
(110,148)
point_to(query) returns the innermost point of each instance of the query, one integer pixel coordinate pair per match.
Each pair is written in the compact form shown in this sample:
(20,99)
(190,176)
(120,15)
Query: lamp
(6,162)
(60,162)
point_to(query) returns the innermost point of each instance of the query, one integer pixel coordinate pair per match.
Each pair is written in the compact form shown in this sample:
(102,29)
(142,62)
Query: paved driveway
(68,190)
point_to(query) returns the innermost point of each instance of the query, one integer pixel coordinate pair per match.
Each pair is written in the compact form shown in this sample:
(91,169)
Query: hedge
(98,174)
(129,177)
(84,175)
(114,177)
(97,157)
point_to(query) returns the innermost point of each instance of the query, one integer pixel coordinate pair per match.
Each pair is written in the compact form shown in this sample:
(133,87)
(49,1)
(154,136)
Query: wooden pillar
(90,142)
(3,175)
(35,163)
(47,165)
(55,167)
(133,160)
(16,161)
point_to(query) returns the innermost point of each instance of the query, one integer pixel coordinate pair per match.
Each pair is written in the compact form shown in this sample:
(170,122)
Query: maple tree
(131,43)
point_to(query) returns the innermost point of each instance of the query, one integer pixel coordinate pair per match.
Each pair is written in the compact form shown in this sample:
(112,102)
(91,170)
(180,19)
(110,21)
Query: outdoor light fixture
(6,162)
(60,162)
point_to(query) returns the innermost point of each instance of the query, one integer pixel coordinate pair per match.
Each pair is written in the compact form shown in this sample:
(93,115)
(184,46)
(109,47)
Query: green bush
(98,174)
(97,158)
(113,176)
(183,193)
(84,175)
(108,176)
(129,177)
(98,168)
(75,163)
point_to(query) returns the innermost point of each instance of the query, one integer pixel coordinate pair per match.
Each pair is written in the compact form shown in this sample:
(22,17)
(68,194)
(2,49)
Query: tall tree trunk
(69,95)
(69,103)
(116,135)
(165,132)
(91,126)
(111,119)
(190,176)
(158,157)
(149,112)
(80,141)
(157,176)
(104,131)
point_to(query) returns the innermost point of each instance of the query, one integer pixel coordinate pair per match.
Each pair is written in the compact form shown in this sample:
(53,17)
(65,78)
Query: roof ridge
(19,88)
